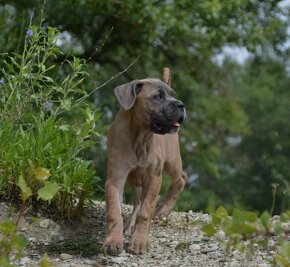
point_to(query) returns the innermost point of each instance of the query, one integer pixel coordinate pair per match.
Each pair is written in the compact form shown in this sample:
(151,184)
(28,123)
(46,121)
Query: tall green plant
(45,124)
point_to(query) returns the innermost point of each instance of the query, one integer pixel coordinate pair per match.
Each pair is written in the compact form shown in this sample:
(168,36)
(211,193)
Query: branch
(106,82)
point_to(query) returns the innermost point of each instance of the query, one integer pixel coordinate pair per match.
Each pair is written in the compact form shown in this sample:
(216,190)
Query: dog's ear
(167,76)
(126,93)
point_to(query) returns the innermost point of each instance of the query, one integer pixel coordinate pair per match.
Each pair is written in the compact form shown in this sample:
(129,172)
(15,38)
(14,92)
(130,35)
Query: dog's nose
(179,104)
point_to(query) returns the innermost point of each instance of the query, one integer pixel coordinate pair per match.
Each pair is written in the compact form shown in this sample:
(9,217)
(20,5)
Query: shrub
(244,230)
(45,124)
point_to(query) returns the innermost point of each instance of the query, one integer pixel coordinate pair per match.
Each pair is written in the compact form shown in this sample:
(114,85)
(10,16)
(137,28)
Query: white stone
(221,234)
(44,223)
(119,260)
(32,239)
(25,261)
(65,256)
(194,247)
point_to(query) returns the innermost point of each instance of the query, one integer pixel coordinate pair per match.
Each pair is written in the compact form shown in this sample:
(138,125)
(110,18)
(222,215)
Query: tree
(184,35)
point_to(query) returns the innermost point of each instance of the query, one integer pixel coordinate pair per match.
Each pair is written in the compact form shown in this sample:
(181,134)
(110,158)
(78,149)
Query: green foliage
(45,262)
(243,230)
(224,102)
(10,241)
(12,244)
(40,134)
(282,258)
(41,144)
(261,158)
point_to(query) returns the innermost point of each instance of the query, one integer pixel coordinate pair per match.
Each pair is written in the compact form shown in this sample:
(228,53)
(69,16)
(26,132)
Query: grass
(46,127)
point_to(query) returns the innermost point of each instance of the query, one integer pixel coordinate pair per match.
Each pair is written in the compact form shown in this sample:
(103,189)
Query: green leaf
(66,104)
(209,230)
(19,242)
(284,217)
(7,227)
(248,229)
(233,229)
(4,261)
(48,79)
(25,190)
(65,127)
(41,173)
(250,216)
(266,219)
(48,191)
(215,220)
(221,213)
(45,262)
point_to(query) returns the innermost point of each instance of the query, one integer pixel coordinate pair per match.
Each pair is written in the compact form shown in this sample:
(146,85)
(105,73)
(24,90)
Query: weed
(45,126)
(243,230)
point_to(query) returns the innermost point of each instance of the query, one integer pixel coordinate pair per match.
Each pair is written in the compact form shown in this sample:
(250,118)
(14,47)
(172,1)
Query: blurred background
(230,66)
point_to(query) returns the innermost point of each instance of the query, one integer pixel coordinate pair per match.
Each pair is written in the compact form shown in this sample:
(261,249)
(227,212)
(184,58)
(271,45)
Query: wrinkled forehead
(156,85)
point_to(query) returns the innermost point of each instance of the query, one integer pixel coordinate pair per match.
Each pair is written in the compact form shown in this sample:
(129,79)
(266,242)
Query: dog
(142,142)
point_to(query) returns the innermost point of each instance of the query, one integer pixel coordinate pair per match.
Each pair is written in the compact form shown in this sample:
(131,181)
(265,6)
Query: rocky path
(175,242)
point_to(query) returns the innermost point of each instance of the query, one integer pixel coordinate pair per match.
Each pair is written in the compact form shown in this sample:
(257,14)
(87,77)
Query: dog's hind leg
(178,180)
(129,225)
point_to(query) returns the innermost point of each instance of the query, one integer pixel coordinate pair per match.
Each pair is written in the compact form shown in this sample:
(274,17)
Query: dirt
(175,241)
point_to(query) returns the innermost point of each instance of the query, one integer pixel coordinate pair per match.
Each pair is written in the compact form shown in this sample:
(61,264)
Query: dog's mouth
(163,127)
(177,124)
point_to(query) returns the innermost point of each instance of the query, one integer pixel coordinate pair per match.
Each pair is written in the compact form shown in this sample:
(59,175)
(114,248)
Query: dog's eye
(157,97)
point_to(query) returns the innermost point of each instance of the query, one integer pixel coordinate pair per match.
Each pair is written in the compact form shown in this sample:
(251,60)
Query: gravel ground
(175,242)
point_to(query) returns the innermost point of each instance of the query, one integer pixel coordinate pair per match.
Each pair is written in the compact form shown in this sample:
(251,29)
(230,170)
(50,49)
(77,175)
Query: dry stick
(20,215)
(167,76)
(106,82)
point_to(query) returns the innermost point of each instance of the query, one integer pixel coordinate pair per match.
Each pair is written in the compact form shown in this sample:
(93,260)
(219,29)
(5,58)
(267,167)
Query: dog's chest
(149,152)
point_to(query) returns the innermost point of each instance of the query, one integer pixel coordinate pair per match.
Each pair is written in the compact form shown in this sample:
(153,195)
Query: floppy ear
(126,93)
(167,76)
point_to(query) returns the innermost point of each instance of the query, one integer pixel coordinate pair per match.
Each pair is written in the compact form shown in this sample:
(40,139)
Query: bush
(46,125)
(244,230)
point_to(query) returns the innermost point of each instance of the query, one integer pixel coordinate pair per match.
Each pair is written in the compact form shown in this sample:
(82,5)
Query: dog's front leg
(114,191)
(139,241)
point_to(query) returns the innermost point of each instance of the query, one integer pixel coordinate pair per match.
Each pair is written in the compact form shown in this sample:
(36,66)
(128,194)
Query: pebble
(286,227)
(119,260)
(58,237)
(32,239)
(24,261)
(65,256)
(209,249)
(221,234)
(91,262)
(23,229)
(44,223)
(196,240)
(64,265)
(194,247)
(202,251)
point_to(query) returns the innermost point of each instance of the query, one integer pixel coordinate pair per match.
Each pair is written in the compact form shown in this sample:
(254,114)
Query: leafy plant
(46,126)
(10,241)
(282,257)
(244,229)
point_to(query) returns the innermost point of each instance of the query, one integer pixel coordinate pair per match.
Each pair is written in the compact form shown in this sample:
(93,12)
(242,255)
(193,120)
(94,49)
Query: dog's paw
(162,210)
(138,244)
(113,246)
